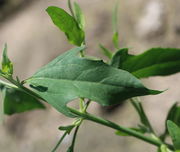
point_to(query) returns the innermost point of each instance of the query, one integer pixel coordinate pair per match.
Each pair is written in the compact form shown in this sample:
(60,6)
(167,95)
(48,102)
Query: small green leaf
(79,16)
(173,115)
(153,62)
(68,129)
(174,132)
(7,66)
(105,51)
(16,101)
(67,24)
(69,77)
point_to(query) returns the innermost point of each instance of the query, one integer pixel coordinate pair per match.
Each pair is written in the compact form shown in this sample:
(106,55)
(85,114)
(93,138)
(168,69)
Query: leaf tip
(155,92)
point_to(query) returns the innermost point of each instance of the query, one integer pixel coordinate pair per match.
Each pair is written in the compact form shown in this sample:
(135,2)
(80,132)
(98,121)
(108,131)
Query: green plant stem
(16,85)
(74,137)
(112,125)
(59,142)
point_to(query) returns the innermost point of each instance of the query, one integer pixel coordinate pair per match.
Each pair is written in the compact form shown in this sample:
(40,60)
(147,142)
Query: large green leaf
(153,62)
(67,24)
(69,77)
(16,101)
(174,132)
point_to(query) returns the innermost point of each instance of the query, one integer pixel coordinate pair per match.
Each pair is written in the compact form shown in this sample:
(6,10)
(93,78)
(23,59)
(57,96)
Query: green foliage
(153,62)
(69,77)
(67,24)
(16,101)
(7,66)
(174,132)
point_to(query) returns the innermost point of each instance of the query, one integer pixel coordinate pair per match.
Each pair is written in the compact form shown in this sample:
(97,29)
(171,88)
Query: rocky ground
(33,41)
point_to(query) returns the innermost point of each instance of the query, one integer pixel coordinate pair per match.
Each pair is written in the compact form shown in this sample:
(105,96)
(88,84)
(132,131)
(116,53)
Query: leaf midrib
(97,83)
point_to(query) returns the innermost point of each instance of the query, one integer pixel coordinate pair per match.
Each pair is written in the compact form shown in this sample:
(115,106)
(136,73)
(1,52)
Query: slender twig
(74,137)
(137,104)
(59,142)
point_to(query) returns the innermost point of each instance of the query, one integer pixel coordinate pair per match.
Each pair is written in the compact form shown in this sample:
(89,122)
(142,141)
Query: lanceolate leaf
(174,132)
(67,24)
(7,66)
(16,101)
(153,62)
(69,77)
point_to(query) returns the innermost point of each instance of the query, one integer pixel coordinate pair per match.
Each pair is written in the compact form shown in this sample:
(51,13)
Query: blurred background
(33,41)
